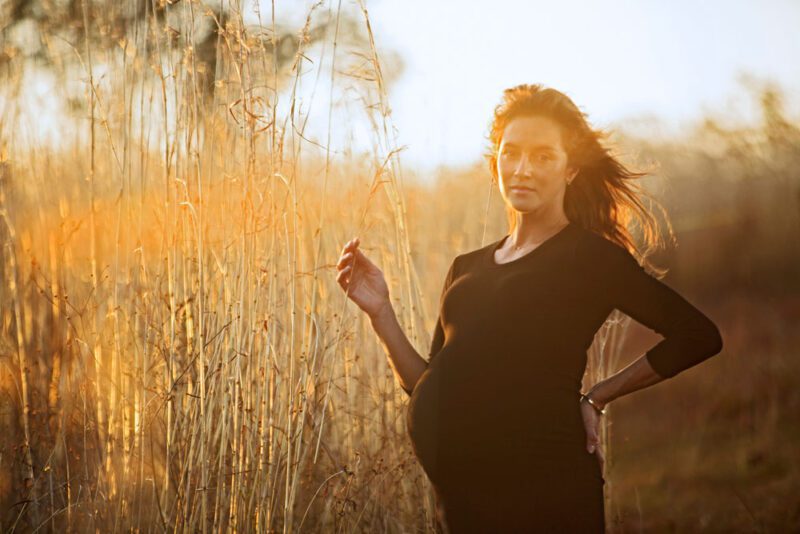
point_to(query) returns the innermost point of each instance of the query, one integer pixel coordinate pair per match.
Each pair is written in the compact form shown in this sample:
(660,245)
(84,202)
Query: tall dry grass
(176,353)
(182,357)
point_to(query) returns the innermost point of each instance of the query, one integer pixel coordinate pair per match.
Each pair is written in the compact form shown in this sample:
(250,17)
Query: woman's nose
(523,167)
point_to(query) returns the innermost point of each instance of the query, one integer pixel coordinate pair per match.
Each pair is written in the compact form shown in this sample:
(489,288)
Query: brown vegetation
(175,353)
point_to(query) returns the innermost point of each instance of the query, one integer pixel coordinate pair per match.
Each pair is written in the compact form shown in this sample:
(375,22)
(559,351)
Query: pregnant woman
(496,415)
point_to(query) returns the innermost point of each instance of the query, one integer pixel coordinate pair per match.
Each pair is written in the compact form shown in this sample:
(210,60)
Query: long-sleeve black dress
(495,418)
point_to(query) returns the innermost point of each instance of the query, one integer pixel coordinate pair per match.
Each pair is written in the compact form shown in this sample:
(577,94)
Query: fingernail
(591,450)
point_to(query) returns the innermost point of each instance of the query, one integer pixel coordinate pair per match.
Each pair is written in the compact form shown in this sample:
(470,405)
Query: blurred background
(177,180)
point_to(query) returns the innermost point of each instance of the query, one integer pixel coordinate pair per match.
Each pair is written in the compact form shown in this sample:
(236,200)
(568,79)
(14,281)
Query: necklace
(520,247)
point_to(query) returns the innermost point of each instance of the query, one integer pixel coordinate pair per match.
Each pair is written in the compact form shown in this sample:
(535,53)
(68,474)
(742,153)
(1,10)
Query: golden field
(175,352)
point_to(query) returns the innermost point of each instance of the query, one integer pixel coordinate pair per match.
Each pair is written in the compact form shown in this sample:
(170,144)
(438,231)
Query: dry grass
(176,353)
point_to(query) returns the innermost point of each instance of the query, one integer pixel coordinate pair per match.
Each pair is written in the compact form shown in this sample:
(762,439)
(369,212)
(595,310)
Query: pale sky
(616,59)
(619,60)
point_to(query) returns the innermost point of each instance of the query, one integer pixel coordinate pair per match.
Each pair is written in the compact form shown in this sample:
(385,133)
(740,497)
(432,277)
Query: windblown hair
(604,196)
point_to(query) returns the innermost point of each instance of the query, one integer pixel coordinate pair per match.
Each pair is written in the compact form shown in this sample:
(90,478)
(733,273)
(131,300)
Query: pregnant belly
(423,421)
(454,422)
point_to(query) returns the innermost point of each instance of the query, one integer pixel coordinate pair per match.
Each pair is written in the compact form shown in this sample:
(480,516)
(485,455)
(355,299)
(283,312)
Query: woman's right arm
(406,362)
(365,285)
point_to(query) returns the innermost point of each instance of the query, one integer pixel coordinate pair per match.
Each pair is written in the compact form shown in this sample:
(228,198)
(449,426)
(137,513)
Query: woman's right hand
(362,279)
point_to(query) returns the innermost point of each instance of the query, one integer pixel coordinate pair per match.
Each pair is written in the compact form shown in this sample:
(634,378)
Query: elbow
(409,389)
(712,340)
(704,337)
(698,343)
(707,343)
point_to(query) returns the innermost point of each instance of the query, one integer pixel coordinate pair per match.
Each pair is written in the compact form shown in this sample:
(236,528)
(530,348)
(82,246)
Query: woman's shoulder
(600,258)
(470,260)
(474,258)
(596,246)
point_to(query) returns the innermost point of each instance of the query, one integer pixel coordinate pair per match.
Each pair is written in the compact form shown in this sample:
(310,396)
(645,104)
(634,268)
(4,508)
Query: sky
(621,61)
(618,60)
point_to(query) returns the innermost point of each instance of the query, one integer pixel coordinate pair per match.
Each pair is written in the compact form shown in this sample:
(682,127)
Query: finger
(345,271)
(343,282)
(591,443)
(344,258)
(347,246)
(344,274)
(351,246)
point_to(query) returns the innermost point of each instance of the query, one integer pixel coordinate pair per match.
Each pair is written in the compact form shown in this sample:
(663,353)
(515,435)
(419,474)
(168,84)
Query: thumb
(591,443)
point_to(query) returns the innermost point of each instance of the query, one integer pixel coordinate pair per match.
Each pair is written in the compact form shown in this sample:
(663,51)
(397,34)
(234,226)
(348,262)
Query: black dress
(495,419)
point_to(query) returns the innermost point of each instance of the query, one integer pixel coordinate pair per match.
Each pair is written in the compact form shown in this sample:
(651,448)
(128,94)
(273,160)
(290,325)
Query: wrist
(600,394)
(597,405)
(384,313)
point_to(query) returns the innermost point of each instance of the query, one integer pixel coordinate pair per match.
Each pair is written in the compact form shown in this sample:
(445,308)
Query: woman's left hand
(591,423)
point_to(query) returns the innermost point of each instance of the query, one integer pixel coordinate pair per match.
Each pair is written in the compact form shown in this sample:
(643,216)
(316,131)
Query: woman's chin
(524,207)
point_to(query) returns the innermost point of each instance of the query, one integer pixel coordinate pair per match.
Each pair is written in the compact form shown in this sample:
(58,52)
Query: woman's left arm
(690,337)
(637,375)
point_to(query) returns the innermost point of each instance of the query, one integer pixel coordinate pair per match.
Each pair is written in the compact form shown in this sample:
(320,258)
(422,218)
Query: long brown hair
(604,196)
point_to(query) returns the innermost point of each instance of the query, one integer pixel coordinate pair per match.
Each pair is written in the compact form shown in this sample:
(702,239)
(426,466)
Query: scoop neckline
(545,243)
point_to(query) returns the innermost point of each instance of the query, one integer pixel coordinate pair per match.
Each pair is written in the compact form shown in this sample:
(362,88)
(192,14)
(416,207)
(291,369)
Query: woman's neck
(532,231)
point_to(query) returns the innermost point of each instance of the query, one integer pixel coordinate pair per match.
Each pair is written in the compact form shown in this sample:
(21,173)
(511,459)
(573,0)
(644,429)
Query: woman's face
(532,165)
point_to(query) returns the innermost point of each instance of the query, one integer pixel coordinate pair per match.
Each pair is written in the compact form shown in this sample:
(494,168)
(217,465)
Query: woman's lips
(521,190)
